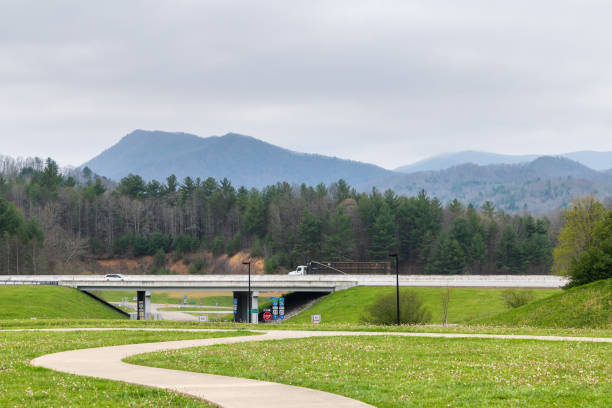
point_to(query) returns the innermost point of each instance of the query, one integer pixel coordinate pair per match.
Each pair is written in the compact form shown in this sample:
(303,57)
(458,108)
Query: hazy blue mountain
(242,159)
(447,160)
(592,159)
(541,185)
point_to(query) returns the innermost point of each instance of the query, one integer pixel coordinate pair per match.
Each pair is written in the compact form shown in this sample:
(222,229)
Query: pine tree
(340,241)
(383,240)
(309,236)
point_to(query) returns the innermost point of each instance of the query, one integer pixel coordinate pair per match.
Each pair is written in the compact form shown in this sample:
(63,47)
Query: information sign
(203,318)
(281,308)
(316,319)
(185,300)
(235,305)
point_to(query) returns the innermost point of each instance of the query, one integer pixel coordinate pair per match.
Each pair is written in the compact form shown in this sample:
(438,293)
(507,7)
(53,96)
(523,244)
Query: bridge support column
(143,305)
(242,307)
(254,307)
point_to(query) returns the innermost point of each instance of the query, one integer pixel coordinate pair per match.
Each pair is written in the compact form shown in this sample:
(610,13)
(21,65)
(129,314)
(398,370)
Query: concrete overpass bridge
(239,284)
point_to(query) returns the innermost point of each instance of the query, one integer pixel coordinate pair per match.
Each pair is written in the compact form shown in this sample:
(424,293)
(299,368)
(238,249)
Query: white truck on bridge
(300,270)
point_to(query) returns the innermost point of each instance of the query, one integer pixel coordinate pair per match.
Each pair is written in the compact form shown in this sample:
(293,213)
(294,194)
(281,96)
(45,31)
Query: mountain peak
(595,160)
(243,159)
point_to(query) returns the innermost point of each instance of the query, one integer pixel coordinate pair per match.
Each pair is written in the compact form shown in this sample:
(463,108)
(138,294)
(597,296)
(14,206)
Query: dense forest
(51,218)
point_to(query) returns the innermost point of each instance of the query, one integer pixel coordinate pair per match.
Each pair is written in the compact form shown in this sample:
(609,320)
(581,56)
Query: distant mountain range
(242,159)
(592,159)
(513,183)
(541,185)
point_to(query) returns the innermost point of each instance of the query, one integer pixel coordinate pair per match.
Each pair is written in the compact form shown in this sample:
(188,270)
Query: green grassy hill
(50,302)
(583,306)
(348,306)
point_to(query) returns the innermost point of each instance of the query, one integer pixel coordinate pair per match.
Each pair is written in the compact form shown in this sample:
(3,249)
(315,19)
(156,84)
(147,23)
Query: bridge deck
(308,283)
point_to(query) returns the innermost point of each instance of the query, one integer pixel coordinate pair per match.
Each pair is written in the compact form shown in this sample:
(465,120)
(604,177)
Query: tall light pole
(249,302)
(396,286)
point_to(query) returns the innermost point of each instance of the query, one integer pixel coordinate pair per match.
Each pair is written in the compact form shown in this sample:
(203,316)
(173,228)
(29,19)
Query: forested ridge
(50,219)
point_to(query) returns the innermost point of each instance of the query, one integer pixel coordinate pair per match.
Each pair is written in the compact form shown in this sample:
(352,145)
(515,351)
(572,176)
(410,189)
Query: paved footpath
(105,362)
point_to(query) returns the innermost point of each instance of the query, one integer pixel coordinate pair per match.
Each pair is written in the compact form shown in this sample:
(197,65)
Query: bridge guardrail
(28,282)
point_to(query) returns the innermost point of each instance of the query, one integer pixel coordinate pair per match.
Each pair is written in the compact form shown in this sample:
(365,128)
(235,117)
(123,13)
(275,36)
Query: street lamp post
(249,302)
(396,286)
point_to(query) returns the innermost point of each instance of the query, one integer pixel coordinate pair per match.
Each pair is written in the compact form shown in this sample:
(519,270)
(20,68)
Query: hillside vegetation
(349,306)
(51,302)
(53,222)
(583,306)
(539,186)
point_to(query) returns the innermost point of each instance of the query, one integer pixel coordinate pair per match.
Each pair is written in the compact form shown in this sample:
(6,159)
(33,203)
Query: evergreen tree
(449,257)
(383,239)
(509,254)
(339,241)
(255,215)
(309,236)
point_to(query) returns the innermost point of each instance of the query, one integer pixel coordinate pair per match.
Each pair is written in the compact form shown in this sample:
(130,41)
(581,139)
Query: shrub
(384,309)
(186,243)
(235,245)
(218,246)
(197,267)
(97,246)
(176,255)
(592,265)
(271,264)
(159,241)
(142,246)
(162,271)
(123,244)
(257,249)
(515,298)
(159,260)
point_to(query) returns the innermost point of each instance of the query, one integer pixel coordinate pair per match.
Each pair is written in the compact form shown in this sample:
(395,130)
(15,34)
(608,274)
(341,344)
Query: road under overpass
(239,284)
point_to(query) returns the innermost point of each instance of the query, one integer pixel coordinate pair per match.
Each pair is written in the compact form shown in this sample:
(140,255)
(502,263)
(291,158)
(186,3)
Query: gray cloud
(385,82)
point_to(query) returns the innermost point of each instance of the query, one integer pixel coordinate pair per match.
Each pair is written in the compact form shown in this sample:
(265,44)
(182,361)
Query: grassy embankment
(393,371)
(583,306)
(51,302)
(349,306)
(22,385)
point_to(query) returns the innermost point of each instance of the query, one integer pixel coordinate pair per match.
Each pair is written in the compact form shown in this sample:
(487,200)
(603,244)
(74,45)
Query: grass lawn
(583,306)
(50,302)
(426,372)
(22,385)
(348,306)
(540,331)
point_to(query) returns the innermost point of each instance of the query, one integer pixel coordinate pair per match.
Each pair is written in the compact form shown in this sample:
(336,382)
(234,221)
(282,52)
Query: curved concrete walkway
(105,362)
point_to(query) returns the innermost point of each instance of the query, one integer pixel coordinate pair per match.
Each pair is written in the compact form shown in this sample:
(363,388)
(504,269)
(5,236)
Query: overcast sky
(386,82)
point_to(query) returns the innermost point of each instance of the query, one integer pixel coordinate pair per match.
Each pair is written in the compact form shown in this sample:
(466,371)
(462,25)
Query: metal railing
(28,282)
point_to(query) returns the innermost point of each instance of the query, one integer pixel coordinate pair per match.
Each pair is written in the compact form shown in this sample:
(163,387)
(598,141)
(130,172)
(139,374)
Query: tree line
(78,216)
